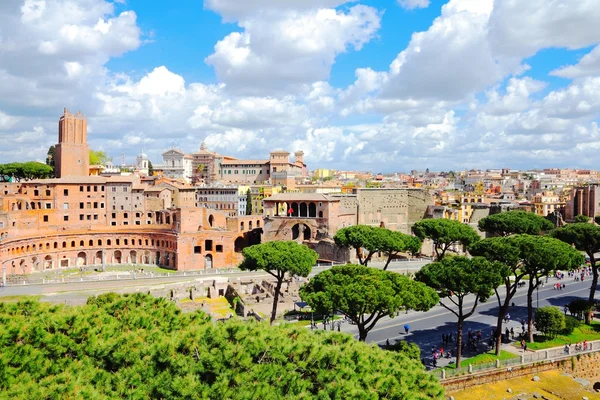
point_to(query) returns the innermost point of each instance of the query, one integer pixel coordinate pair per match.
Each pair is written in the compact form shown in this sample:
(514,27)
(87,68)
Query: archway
(157,258)
(303,210)
(147,257)
(81,259)
(22,266)
(98,258)
(294,209)
(34,264)
(208,261)
(48,263)
(211,219)
(312,210)
(301,230)
(117,257)
(239,245)
(133,257)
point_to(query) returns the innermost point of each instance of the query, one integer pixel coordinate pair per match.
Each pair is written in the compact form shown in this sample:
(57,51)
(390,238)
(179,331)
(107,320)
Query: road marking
(448,312)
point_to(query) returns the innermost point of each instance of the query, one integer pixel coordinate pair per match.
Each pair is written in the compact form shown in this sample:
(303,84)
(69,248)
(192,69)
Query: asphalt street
(426,328)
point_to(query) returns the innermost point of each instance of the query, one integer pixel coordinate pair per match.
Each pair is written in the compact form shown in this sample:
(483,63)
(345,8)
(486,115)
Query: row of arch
(66,244)
(97,258)
(299,210)
(250,225)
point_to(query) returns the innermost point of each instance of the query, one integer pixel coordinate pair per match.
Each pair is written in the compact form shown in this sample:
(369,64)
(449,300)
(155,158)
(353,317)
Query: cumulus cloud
(588,65)
(285,49)
(412,4)
(459,95)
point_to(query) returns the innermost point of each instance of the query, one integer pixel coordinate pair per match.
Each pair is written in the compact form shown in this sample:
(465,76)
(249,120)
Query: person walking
(406,328)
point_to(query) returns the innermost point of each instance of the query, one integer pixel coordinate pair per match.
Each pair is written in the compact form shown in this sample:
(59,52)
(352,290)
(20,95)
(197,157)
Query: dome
(143,156)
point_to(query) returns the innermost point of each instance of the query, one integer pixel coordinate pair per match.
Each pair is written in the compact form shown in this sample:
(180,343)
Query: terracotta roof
(301,197)
(69,180)
(156,189)
(235,162)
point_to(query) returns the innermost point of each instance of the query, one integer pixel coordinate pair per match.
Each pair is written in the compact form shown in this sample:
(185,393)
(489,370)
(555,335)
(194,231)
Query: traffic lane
(485,312)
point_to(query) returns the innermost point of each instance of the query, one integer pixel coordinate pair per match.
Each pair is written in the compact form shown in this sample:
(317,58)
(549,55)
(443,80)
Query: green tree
(531,256)
(550,321)
(514,222)
(365,295)
(359,237)
(392,243)
(585,237)
(50,156)
(279,259)
(98,157)
(150,168)
(582,219)
(141,347)
(454,278)
(445,234)
(26,171)
(248,202)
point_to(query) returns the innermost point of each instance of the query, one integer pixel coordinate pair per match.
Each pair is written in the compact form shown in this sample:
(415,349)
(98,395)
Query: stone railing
(505,369)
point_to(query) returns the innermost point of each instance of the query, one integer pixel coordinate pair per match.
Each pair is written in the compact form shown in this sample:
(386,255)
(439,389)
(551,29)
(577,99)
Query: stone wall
(398,209)
(586,366)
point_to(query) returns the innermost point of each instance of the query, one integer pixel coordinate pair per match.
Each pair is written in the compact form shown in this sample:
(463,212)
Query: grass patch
(484,358)
(306,322)
(219,307)
(14,299)
(584,332)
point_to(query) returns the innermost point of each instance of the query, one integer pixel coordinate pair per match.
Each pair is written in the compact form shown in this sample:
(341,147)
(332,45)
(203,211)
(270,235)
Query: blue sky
(367,84)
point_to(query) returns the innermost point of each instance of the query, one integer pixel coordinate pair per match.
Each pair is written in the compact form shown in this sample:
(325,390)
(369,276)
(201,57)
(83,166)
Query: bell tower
(72,151)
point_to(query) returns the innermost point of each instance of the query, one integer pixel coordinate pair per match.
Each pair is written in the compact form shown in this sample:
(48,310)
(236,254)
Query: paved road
(427,328)
(112,284)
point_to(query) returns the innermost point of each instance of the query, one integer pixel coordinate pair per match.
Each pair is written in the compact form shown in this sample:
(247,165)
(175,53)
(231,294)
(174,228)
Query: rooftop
(301,197)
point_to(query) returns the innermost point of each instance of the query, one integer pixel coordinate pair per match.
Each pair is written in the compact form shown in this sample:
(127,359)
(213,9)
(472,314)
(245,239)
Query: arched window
(73,243)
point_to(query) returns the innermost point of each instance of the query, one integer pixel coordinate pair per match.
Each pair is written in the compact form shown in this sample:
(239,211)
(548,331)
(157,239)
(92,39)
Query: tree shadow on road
(430,340)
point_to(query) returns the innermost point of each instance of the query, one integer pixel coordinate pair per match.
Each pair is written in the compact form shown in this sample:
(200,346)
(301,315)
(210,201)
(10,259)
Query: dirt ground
(552,385)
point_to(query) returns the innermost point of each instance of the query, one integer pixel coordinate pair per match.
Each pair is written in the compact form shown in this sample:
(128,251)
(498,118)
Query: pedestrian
(566,349)
(406,328)
(387,342)
(443,338)
(512,333)
(565,309)
(523,345)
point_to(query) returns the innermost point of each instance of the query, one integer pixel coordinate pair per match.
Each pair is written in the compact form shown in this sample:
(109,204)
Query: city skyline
(358,85)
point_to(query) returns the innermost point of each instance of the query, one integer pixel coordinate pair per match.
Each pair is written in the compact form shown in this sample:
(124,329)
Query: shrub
(579,308)
(410,350)
(549,320)
(570,324)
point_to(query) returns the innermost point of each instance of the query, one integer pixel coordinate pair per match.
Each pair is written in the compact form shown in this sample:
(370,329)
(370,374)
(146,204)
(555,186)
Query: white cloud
(588,65)
(283,50)
(521,28)
(412,4)
(235,10)
(449,61)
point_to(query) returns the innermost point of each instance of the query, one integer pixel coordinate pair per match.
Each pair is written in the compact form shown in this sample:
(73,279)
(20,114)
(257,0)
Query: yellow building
(546,203)
(324,173)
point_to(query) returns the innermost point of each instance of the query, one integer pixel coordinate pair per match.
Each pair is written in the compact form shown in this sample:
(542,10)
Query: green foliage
(98,157)
(582,219)
(139,347)
(410,350)
(445,234)
(150,168)
(25,171)
(514,222)
(50,156)
(585,237)
(391,243)
(359,237)
(597,219)
(365,295)
(460,276)
(456,277)
(550,321)
(527,255)
(278,259)
(579,308)
(570,324)
(248,202)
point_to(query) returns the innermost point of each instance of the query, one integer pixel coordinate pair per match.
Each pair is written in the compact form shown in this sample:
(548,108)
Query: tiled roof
(301,197)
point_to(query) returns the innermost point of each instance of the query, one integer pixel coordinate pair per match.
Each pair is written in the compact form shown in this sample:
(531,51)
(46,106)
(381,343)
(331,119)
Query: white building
(176,165)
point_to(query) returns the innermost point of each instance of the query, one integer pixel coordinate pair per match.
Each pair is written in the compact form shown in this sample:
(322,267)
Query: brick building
(81,220)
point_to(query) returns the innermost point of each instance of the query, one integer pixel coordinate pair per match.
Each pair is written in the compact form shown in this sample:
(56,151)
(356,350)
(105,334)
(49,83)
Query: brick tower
(72,151)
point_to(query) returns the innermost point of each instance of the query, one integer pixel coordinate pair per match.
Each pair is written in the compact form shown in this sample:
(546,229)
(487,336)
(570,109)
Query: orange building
(78,220)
